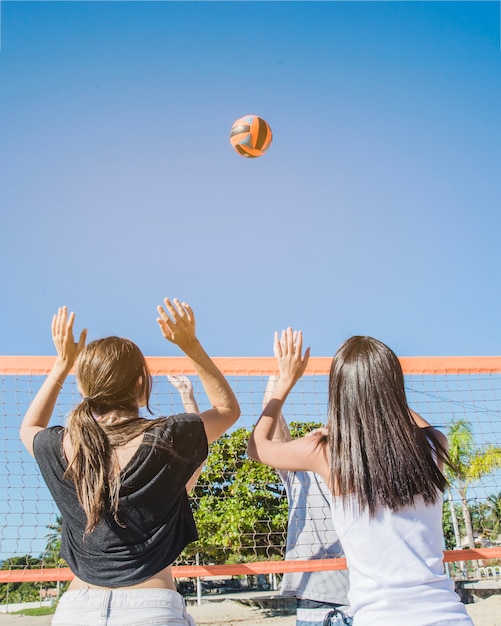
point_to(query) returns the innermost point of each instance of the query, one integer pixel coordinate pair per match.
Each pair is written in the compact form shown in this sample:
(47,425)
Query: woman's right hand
(62,336)
(288,350)
(179,326)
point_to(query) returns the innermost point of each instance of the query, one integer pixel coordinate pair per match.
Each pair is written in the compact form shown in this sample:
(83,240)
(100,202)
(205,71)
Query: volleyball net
(239,505)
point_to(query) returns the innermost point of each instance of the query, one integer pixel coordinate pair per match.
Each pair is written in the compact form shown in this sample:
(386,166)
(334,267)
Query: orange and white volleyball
(251,136)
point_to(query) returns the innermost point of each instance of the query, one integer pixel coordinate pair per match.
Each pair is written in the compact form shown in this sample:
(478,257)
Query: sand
(233,613)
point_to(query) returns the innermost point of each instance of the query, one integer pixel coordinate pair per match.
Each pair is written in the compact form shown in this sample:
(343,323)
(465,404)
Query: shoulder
(47,438)
(181,423)
(184,431)
(48,450)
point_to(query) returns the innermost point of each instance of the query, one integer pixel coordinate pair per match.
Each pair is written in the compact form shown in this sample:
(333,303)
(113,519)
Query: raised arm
(303,453)
(281,432)
(177,324)
(40,410)
(185,389)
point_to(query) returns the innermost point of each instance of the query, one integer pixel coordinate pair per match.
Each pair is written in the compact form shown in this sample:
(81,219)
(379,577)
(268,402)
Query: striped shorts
(313,613)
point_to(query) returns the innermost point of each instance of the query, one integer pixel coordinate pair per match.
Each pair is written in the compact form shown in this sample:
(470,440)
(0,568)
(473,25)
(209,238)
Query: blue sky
(375,211)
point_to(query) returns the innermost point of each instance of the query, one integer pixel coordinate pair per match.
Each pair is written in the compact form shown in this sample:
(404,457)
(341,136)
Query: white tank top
(395,566)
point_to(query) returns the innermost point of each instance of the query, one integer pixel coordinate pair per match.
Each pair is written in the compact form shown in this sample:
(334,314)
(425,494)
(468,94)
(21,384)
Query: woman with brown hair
(383,466)
(119,479)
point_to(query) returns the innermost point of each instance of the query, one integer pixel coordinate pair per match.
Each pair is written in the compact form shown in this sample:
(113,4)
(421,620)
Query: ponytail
(91,469)
(113,376)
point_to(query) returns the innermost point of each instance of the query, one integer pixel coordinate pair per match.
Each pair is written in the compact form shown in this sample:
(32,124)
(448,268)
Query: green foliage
(299,429)
(41,610)
(494,514)
(51,553)
(469,461)
(19,592)
(239,505)
(30,592)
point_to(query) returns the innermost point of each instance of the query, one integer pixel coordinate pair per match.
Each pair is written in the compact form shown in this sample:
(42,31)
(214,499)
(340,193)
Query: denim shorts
(122,607)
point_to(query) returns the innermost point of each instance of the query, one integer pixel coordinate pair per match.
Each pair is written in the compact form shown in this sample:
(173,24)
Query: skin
(292,454)
(177,324)
(185,389)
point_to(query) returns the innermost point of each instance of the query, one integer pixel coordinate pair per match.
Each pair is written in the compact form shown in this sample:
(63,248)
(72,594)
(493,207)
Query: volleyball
(251,136)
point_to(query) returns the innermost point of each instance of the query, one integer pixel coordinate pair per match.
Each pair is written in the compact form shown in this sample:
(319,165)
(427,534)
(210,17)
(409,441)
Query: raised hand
(288,350)
(181,382)
(62,335)
(184,387)
(177,323)
(40,410)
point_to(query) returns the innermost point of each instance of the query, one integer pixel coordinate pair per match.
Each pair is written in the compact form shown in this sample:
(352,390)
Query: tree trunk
(457,533)
(467,520)
(455,523)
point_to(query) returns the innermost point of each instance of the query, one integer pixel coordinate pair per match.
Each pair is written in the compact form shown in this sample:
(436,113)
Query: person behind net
(383,464)
(310,535)
(184,387)
(119,479)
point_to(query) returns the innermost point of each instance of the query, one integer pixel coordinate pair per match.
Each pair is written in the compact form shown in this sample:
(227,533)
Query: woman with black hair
(383,465)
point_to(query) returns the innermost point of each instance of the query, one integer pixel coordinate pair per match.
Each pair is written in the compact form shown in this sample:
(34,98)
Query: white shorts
(122,607)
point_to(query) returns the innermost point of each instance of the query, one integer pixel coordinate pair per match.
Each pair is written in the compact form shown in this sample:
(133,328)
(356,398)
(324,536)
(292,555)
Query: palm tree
(51,552)
(469,463)
(494,507)
(50,556)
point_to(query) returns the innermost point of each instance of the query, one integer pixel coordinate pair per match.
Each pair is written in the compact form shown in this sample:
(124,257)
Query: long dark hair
(378,454)
(112,375)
